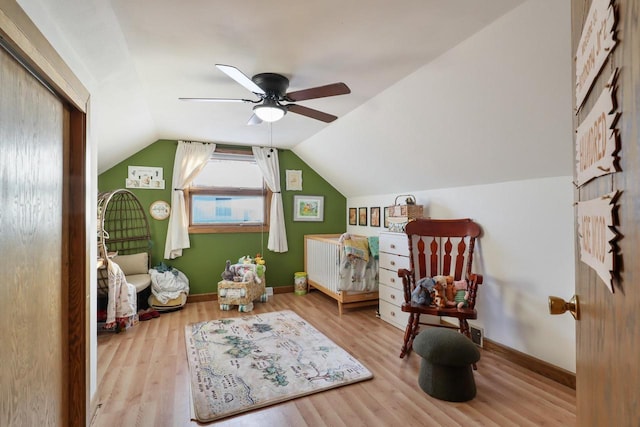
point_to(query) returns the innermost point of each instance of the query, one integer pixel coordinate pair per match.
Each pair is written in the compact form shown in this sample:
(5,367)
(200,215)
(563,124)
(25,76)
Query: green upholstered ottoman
(445,370)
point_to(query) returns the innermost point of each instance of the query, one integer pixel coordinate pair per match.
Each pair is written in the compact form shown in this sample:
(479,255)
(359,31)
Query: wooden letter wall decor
(596,43)
(596,231)
(597,137)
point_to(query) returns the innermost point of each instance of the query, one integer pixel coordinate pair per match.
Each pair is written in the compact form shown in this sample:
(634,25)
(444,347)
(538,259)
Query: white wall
(495,108)
(484,131)
(525,253)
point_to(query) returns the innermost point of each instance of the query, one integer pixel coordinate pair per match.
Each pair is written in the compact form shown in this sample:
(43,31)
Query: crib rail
(322,264)
(322,260)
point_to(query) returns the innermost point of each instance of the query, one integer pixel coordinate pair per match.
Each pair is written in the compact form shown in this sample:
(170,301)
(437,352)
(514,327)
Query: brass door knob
(558,306)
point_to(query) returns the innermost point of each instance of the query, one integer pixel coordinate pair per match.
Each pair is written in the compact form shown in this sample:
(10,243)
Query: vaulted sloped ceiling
(137,57)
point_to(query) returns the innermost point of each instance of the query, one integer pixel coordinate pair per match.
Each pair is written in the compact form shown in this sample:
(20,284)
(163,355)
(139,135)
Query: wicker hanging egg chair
(123,228)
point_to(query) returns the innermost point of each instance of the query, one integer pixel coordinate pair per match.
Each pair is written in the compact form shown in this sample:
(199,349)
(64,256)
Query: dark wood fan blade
(217,100)
(310,112)
(318,92)
(240,77)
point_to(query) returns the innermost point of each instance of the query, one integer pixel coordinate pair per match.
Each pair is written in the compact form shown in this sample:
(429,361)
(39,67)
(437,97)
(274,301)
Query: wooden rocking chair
(439,247)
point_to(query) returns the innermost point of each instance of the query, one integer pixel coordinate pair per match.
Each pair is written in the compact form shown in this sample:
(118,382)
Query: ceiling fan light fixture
(269,111)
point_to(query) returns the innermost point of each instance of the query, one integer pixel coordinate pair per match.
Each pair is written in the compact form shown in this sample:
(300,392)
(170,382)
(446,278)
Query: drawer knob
(393,246)
(393,280)
(393,297)
(393,314)
(393,263)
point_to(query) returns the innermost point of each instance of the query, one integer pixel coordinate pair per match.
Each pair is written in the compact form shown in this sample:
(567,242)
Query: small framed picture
(362,216)
(386,217)
(353,216)
(294,180)
(308,208)
(375,217)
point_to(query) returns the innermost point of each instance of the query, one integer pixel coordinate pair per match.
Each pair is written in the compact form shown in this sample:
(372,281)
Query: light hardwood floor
(143,378)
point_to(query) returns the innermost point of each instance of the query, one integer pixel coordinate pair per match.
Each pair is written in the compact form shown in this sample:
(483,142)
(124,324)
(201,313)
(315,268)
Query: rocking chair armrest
(475,278)
(407,283)
(474,281)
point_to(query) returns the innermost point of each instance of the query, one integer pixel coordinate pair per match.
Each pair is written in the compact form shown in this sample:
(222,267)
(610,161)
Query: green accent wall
(205,260)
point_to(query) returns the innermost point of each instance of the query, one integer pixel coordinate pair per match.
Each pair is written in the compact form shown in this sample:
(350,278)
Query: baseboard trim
(212,296)
(202,297)
(531,363)
(538,366)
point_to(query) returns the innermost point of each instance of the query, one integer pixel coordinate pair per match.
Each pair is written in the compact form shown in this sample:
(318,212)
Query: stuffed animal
(423,291)
(250,276)
(438,297)
(448,290)
(228,272)
(450,294)
(462,294)
(245,260)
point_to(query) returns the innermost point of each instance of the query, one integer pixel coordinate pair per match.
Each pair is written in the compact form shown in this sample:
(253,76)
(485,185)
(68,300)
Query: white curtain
(267,160)
(191,157)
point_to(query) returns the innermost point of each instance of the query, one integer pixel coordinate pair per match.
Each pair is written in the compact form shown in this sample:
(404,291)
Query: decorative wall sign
(145,177)
(597,137)
(294,180)
(596,43)
(595,233)
(160,210)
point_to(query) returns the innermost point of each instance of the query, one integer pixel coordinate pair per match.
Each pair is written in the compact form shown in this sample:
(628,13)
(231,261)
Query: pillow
(133,264)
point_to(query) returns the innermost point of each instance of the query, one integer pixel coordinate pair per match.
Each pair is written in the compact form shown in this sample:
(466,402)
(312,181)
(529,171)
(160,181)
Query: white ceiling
(138,56)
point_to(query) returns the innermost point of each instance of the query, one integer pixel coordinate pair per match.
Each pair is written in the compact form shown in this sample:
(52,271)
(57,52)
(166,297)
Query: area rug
(240,364)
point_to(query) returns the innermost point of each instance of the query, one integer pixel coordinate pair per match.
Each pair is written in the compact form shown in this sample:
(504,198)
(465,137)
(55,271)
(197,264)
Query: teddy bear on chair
(439,299)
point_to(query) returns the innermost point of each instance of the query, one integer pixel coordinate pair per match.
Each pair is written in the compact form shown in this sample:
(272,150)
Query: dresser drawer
(390,278)
(392,295)
(394,243)
(392,314)
(393,262)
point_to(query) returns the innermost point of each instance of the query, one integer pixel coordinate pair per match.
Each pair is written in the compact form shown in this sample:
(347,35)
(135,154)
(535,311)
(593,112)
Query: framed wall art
(308,208)
(375,217)
(353,216)
(386,217)
(294,180)
(362,216)
(144,177)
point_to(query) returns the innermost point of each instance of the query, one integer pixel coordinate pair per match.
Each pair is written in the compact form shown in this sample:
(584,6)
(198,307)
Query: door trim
(24,39)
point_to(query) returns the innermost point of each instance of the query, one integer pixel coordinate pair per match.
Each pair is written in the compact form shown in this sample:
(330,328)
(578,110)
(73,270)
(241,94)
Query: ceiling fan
(274,101)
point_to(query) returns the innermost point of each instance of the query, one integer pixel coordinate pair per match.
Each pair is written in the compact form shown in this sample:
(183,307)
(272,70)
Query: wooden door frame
(20,35)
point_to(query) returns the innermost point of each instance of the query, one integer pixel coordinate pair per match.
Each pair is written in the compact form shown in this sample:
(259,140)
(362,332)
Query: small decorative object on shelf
(400,215)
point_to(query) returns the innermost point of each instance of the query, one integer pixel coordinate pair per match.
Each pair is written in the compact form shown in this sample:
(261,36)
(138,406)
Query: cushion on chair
(172,304)
(140,281)
(133,264)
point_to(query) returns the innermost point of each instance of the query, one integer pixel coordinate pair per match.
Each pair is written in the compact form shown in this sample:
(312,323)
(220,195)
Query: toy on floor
(242,284)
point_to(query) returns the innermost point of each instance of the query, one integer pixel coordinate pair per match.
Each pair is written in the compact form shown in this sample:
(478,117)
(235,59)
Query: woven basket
(401,214)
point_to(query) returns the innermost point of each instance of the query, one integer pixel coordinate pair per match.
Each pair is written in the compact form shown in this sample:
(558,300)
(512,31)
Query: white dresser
(394,254)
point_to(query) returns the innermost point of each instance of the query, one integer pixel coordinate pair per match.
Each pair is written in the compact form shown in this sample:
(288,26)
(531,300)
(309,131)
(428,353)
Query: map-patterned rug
(244,363)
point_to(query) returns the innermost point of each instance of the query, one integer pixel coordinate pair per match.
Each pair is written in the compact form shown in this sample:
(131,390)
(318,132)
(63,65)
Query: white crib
(322,263)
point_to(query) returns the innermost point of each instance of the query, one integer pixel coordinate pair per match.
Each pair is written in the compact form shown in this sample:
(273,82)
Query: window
(229,195)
